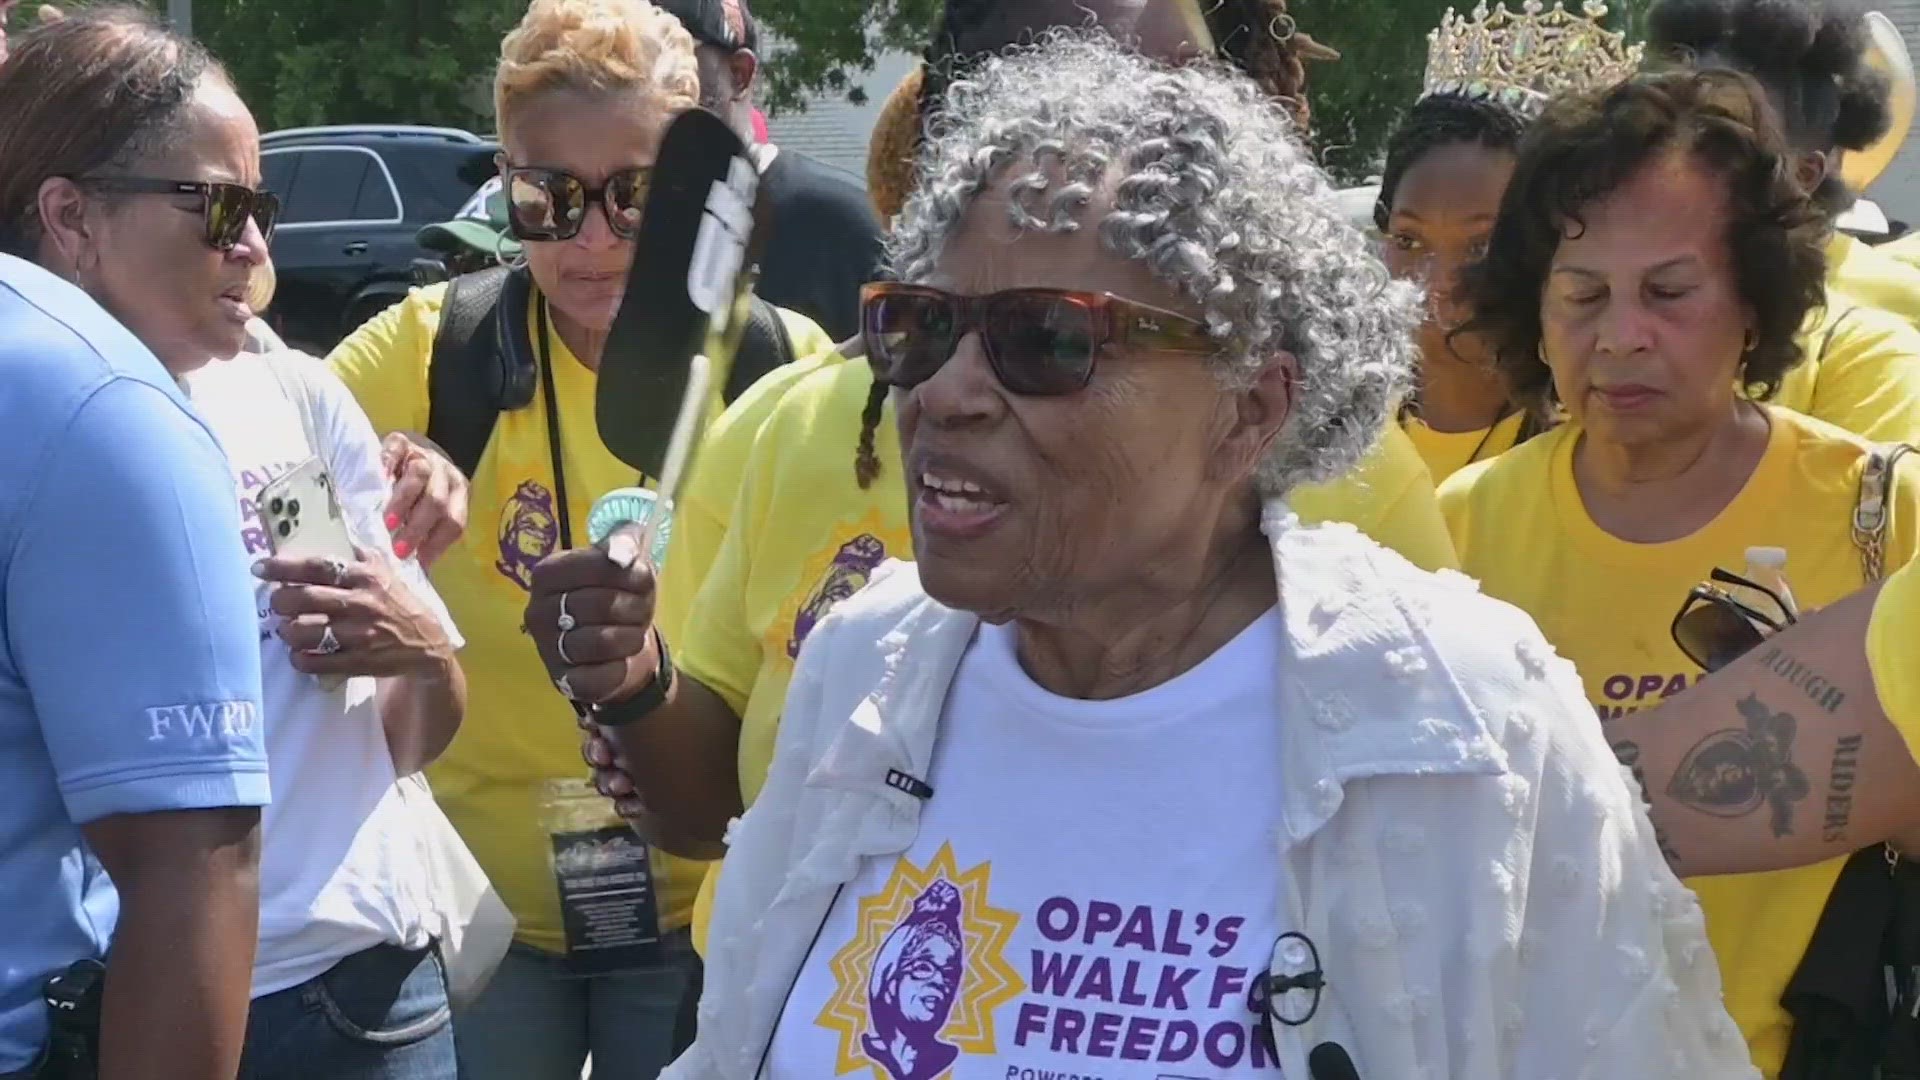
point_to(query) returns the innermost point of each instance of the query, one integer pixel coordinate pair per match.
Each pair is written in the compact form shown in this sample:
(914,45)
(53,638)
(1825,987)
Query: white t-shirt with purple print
(1093,892)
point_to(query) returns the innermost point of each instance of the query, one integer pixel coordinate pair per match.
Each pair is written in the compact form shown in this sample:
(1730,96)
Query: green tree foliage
(428,61)
(824,46)
(1359,98)
(304,62)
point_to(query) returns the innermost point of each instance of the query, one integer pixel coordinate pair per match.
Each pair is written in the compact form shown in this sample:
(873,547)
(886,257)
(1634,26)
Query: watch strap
(648,700)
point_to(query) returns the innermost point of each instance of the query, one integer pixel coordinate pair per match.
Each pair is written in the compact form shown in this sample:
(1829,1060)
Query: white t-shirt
(1095,886)
(340,869)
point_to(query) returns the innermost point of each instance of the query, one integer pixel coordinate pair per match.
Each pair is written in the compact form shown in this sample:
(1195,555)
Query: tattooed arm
(1783,758)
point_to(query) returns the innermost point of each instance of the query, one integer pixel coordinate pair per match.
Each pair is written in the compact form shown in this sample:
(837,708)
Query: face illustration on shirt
(912,987)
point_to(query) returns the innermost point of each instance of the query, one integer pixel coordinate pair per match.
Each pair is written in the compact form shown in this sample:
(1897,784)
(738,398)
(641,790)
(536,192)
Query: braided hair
(1434,123)
(1440,121)
(1810,55)
(1256,36)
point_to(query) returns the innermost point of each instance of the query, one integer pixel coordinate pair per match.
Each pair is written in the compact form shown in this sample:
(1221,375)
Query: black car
(352,199)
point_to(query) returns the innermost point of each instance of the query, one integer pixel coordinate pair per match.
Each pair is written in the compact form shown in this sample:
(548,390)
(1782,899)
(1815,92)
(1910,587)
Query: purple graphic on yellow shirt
(911,988)
(918,985)
(852,565)
(529,530)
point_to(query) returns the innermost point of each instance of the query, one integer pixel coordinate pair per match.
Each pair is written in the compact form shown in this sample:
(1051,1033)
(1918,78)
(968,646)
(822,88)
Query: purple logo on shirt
(917,986)
(852,565)
(912,986)
(529,530)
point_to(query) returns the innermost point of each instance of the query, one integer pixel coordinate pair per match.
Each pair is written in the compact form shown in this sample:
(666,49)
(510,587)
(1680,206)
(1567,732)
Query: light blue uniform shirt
(129,651)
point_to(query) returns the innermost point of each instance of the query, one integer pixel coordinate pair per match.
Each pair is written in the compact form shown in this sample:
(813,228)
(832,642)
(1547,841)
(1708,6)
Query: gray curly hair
(1213,191)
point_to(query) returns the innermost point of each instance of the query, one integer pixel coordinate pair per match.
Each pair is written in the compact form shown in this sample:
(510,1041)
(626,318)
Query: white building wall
(1898,189)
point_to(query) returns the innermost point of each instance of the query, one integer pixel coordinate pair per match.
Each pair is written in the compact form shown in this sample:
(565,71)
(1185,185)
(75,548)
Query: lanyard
(565,512)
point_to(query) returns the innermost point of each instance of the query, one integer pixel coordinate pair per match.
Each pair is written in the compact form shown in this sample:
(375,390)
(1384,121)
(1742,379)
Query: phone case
(302,515)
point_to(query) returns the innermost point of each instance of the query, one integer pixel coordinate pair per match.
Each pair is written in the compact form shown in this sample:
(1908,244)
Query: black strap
(764,346)
(553,431)
(464,395)
(484,363)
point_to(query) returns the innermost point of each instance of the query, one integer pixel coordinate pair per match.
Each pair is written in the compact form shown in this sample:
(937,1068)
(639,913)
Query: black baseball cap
(723,24)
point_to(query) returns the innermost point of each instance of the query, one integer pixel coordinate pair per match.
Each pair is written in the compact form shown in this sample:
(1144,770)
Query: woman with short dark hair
(130,166)
(1652,265)
(130,840)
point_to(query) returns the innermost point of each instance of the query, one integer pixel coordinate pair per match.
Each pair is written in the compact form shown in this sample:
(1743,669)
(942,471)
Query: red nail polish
(402,548)
(393,521)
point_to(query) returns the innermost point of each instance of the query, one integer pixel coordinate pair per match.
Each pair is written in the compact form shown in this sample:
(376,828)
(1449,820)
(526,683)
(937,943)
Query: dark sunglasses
(551,204)
(1715,628)
(224,208)
(1039,342)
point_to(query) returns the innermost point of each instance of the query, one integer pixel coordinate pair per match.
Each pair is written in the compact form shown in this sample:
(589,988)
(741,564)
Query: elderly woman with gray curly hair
(1134,774)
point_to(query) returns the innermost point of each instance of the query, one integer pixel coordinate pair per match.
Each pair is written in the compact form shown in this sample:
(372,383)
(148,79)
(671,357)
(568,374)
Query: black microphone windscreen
(1329,1061)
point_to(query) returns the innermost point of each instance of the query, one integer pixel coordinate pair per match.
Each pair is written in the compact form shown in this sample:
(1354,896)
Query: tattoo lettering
(1846,766)
(1803,678)
(1734,772)
(1628,754)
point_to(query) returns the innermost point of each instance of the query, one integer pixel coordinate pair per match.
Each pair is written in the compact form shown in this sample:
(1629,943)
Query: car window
(375,201)
(336,185)
(277,172)
(435,178)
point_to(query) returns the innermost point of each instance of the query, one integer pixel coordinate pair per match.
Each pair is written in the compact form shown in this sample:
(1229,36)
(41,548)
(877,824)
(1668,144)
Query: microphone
(1329,1061)
(909,783)
(683,311)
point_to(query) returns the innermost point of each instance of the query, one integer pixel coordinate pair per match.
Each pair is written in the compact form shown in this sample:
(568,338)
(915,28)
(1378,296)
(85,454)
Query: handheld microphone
(1330,1061)
(684,309)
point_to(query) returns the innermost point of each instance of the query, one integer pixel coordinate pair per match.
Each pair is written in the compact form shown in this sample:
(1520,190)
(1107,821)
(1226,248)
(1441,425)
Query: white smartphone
(302,515)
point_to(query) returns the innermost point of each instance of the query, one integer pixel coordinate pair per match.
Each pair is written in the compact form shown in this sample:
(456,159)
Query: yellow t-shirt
(1862,373)
(1522,528)
(706,499)
(1447,452)
(1874,276)
(1905,250)
(519,733)
(1893,636)
(805,536)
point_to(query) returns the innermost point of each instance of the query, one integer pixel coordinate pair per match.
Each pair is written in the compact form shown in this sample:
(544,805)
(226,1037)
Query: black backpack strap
(482,362)
(764,345)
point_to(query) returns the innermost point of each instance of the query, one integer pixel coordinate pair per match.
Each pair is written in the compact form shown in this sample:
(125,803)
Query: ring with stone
(560,647)
(339,569)
(328,643)
(566,621)
(565,686)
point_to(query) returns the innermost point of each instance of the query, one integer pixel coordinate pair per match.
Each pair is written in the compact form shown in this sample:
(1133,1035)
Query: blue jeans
(534,1022)
(377,1015)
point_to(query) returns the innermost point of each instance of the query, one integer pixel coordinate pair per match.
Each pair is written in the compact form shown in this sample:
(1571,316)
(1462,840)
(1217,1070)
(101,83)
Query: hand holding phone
(302,515)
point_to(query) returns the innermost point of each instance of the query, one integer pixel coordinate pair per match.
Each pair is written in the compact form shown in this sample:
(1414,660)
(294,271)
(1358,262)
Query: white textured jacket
(1485,896)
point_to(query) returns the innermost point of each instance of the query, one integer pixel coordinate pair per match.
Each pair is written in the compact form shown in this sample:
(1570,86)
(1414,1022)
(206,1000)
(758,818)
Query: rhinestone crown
(1528,57)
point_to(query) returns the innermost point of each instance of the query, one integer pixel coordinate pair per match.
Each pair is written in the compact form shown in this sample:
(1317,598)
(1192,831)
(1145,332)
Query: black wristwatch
(643,704)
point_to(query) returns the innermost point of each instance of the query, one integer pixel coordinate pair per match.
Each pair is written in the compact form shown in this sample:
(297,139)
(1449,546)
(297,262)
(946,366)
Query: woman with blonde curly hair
(584,91)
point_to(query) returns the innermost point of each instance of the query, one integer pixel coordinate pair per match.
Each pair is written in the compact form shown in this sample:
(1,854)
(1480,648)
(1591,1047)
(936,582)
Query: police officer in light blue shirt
(131,743)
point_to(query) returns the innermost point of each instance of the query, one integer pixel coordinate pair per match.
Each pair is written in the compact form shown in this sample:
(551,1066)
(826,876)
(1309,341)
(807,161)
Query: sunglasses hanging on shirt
(1715,627)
